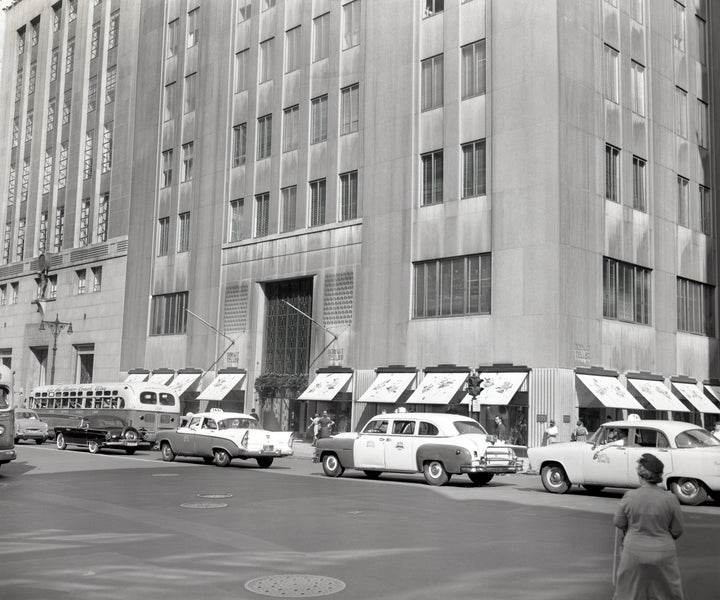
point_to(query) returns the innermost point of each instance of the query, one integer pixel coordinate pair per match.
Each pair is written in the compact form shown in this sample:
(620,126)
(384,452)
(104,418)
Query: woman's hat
(651,463)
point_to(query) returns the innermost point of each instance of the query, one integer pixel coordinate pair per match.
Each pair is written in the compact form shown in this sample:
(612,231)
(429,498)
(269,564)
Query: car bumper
(510,467)
(31,435)
(7,455)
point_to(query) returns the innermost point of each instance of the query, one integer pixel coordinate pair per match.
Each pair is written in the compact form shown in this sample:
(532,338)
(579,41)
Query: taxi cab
(609,458)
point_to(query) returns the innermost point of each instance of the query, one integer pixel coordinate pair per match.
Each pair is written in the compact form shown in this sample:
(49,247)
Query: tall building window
(163,236)
(62,165)
(169,101)
(16,132)
(167,169)
(95,40)
(317,202)
(114,29)
(42,238)
(110,84)
(612,173)
(18,85)
(92,93)
(96,278)
(69,55)
(21,41)
(241,70)
(262,214)
(47,174)
(102,218)
(612,77)
(695,307)
(432,174)
(81,278)
(172,38)
(291,122)
(293,49)
(267,4)
(473,169)
(639,193)
(57,17)
(84,234)
(266,60)
(706,210)
(20,245)
(169,314)
(50,116)
(235,220)
(32,77)
(183,232)
(433,7)
(187,164)
(193,31)
(264,136)
(3,300)
(701,40)
(107,145)
(289,206)
(7,243)
(35,31)
(67,107)
(626,292)
(25,183)
(432,82)
(679,27)
(636,10)
(190,88)
(12,183)
(59,227)
(683,198)
(239,144)
(349,196)
(351,24)
(244,10)
(637,88)
(321,37)
(349,108)
(318,119)
(702,125)
(473,69)
(54,59)
(15,292)
(452,286)
(28,126)
(72,10)
(681,112)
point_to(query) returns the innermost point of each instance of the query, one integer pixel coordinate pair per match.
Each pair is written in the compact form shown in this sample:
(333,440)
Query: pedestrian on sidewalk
(580,432)
(651,520)
(315,425)
(550,435)
(326,424)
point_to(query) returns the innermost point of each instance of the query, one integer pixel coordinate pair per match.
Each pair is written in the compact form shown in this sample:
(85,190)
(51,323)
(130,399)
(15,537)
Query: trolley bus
(7,416)
(147,407)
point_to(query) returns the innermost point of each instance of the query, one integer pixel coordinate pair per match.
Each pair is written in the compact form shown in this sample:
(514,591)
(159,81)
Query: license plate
(131,443)
(268,448)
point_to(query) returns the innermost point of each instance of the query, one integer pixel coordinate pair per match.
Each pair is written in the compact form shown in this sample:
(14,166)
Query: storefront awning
(438,388)
(387,387)
(694,396)
(326,386)
(501,387)
(609,392)
(161,378)
(658,395)
(221,386)
(182,382)
(714,391)
(136,377)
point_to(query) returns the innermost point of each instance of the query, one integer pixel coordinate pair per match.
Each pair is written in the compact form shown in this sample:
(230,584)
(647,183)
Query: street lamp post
(56,327)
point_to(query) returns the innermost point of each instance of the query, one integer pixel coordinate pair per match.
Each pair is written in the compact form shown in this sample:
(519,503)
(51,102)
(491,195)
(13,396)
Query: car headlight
(131,436)
(2,429)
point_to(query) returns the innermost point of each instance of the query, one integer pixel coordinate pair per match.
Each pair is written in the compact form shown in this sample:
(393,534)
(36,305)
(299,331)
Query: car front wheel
(481,478)
(435,473)
(60,441)
(166,452)
(93,446)
(554,479)
(222,458)
(332,466)
(689,491)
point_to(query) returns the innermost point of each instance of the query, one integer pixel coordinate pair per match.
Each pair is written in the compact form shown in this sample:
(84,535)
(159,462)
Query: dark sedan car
(100,431)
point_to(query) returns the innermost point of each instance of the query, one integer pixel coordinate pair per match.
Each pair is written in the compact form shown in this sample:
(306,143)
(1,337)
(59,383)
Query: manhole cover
(204,505)
(214,495)
(165,474)
(295,586)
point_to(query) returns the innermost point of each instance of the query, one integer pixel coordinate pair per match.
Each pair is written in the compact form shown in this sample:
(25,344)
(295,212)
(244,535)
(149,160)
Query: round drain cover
(214,495)
(204,505)
(295,586)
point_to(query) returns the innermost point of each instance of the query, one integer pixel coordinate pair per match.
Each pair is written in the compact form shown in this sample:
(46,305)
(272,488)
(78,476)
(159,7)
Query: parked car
(28,426)
(609,458)
(218,437)
(437,445)
(96,432)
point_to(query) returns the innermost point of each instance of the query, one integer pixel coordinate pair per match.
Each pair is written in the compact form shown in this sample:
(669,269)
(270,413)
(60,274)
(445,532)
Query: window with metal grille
(262,214)
(264,136)
(318,119)
(626,292)
(47,173)
(103,216)
(291,121)
(18,85)
(54,59)
(51,113)
(62,165)
(110,83)
(12,184)
(107,148)
(7,243)
(59,227)
(289,206)
(16,132)
(29,119)
(168,314)
(42,238)
(92,93)
(69,55)
(317,202)
(32,77)
(114,29)
(67,107)
(95,40)
(25,179)
(84,233)
(183,232)
(88,155)
(20,245)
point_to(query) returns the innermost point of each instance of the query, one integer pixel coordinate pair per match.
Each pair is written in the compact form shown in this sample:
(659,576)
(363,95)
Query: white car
(437,445)
(28,426)
(609,458)
(218,437)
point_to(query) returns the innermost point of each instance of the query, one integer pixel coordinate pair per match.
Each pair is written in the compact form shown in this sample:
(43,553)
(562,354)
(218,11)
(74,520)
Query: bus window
(148,398)
(4,395)
(167,399)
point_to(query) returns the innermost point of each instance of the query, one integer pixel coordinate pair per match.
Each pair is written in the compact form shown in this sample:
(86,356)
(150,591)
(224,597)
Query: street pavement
(110,526)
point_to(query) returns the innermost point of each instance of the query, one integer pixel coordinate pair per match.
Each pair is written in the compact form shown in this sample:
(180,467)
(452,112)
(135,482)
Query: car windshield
(239,423)
(25,415)
(695,438)
(105,421)
(464,427)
